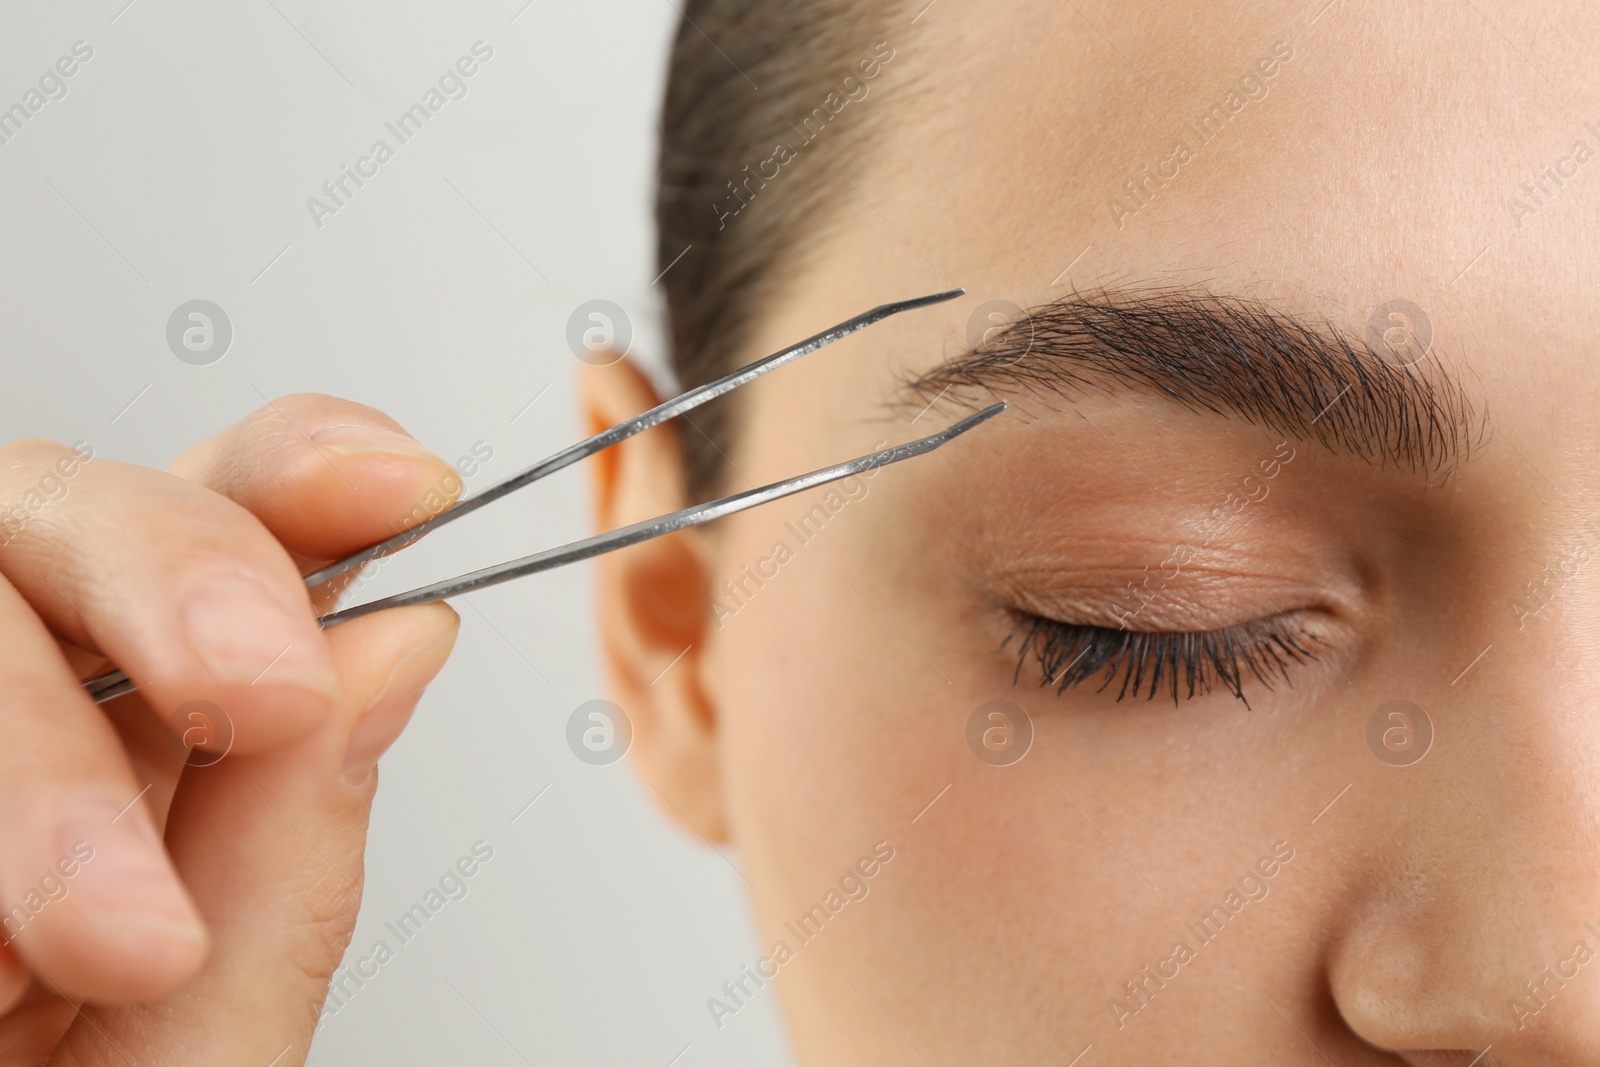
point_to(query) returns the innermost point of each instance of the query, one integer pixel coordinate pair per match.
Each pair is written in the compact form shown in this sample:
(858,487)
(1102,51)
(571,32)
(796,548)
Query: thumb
(271,849)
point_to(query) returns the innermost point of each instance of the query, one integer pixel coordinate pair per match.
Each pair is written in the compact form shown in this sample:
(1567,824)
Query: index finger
(325,476)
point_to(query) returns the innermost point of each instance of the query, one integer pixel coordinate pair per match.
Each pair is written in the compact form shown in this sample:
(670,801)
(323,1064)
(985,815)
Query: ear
(654,606)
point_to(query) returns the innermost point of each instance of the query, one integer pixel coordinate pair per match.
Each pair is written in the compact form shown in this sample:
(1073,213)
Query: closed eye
(1148,662)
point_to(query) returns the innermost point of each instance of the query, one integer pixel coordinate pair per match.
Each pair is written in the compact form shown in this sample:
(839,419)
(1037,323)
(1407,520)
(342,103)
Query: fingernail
(391,709)
(373,440)
(122,881)
(246,635)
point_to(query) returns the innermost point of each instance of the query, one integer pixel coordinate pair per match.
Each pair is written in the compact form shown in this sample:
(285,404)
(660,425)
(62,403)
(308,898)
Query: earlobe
(653,607)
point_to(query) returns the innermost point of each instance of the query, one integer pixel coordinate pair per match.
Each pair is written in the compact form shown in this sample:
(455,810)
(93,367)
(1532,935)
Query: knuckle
(267,445)
(174,518)
(35,474)
(311,409)
(309,401)
(31,454)
(324,920)
(171,537)
(25,446)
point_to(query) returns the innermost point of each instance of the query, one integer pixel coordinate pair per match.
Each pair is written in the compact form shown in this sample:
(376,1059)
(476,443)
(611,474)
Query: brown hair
(759,122)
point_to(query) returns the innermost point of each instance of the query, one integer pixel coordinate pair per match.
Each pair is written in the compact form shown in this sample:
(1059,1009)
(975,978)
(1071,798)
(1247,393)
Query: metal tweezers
(116,683)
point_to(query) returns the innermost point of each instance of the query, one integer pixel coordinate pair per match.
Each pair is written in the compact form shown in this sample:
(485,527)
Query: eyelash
(1069,654)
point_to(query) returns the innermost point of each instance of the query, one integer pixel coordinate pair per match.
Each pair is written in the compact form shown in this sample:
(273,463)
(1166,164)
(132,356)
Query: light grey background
(178,167)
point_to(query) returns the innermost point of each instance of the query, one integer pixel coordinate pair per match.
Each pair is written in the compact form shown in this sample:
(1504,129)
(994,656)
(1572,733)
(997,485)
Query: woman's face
(1388,851)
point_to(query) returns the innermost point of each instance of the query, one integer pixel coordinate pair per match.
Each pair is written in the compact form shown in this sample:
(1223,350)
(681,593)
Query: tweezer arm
(109,686)
(621,431)
(624,536)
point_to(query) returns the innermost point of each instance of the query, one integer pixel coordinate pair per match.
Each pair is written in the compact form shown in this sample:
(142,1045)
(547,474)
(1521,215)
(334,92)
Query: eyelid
(1198,603)
(1092,588)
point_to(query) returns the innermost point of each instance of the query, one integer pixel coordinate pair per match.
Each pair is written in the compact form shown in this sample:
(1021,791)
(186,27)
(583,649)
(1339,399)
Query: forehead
(1330,162)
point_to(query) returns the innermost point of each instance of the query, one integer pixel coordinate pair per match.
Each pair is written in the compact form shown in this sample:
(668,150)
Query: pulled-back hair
(760,120)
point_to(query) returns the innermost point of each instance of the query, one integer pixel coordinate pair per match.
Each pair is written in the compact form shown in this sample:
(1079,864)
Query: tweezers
(117,683)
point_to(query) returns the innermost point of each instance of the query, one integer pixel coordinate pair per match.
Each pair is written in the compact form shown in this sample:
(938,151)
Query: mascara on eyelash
(1069,654)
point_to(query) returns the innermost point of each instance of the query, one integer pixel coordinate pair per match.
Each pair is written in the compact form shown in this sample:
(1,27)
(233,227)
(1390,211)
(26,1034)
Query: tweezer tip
(961,426)
(917,302)
(988,413)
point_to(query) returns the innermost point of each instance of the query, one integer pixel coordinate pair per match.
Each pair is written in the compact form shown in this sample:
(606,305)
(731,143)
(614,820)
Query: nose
(1475,926)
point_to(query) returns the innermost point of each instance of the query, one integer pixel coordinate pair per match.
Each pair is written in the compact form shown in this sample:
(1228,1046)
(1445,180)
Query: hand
(196,911)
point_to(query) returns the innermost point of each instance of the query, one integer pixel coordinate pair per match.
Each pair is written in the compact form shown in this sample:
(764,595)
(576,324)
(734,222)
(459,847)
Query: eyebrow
(1225,356)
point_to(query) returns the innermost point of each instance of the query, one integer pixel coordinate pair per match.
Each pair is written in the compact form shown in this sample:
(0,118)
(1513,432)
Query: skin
(829,712)
(821,728)
(191,889)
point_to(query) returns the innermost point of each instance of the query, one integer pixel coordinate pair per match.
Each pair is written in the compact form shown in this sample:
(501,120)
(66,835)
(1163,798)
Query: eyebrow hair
(1225,356)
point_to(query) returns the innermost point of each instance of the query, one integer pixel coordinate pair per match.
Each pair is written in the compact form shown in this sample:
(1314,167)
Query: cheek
(820,753)
(837,733)
(844,685)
